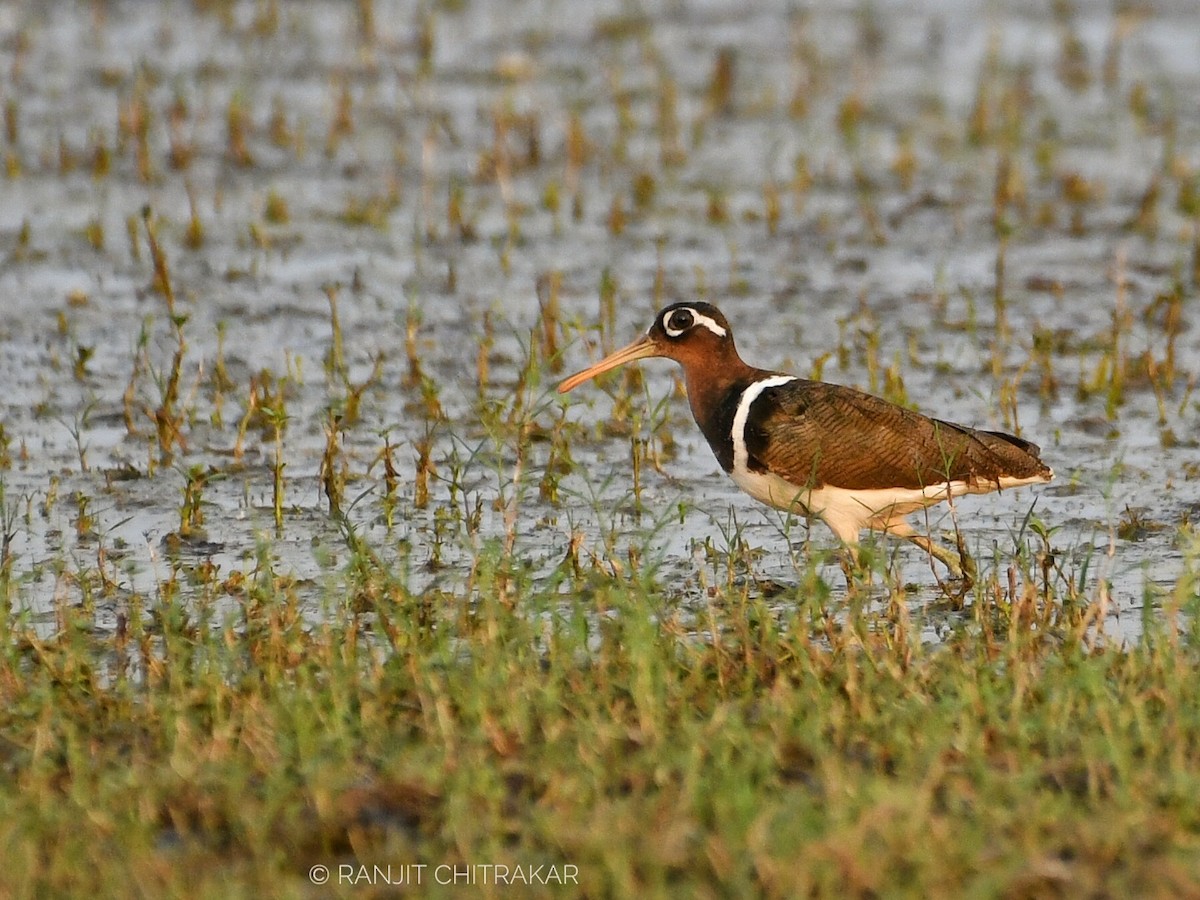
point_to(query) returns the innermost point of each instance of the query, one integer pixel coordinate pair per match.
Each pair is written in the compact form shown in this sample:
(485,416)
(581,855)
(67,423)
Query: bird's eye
(678,322)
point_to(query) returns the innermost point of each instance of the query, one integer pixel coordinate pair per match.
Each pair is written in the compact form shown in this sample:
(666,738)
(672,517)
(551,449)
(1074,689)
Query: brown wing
(826,434)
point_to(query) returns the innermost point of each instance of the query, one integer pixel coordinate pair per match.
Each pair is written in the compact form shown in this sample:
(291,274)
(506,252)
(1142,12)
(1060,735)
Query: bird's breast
(724,417)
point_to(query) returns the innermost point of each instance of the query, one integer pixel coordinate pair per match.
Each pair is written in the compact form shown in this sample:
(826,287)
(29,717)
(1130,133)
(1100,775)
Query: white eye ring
(696,319)
(672,331)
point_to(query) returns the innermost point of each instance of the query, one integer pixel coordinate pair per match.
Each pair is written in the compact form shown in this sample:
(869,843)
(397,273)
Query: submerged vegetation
(306,569)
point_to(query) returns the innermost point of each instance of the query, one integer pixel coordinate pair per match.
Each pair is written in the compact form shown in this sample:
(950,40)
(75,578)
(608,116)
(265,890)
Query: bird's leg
(847,531)
(848,557)
(948,557)
(968,564)
(858,573)
(960,566)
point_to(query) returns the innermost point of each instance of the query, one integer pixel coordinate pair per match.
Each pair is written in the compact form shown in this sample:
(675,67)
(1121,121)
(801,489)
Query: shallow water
(892,274)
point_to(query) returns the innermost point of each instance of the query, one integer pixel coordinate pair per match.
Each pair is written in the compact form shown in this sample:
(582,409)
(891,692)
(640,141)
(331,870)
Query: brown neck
(714,387)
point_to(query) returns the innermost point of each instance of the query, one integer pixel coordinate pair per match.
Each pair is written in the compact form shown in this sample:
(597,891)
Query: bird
(822,450)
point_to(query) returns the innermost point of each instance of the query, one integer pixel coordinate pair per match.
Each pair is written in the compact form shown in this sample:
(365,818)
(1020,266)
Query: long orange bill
(639,349)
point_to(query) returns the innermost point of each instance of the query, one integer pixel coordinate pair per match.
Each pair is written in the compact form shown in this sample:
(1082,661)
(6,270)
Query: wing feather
(835,435)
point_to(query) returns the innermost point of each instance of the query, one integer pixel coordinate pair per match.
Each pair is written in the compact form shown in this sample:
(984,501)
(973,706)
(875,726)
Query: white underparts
(847,512)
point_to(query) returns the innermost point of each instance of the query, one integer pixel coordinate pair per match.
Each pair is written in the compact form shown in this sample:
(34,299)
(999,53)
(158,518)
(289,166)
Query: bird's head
(694,334)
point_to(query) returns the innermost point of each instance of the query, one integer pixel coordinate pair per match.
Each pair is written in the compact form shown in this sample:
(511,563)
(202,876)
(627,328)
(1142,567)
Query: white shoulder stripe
(741,456)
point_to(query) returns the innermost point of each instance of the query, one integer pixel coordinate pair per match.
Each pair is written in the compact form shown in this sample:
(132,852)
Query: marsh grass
(784,750)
